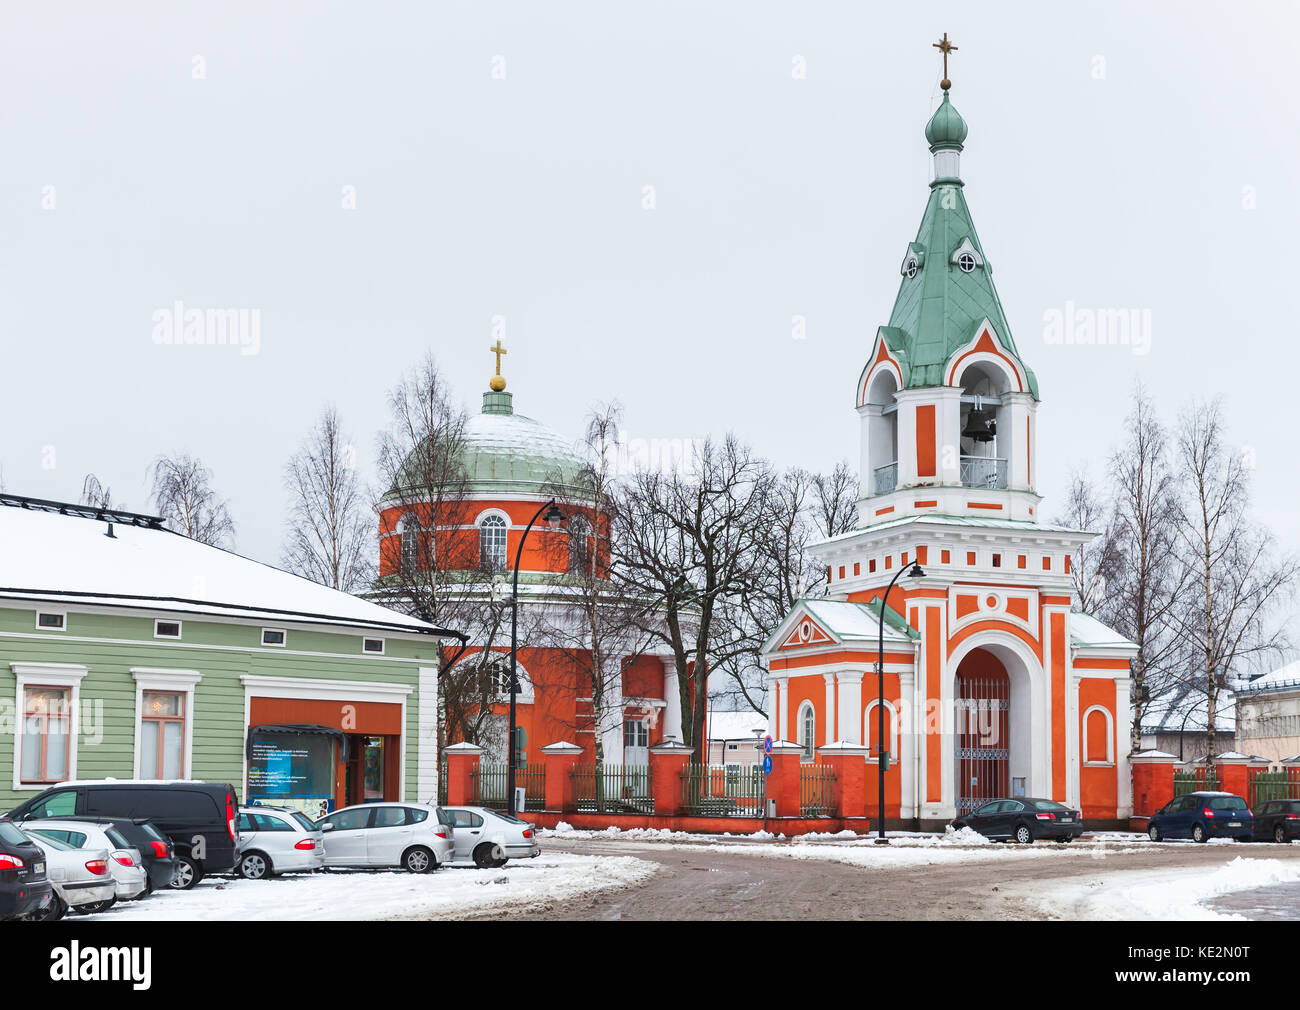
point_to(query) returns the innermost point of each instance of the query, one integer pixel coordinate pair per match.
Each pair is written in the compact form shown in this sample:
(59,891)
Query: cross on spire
(945,47)
(498,383)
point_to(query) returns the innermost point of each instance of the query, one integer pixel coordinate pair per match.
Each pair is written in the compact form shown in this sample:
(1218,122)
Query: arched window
(408,532)
(870,732)
(499,682)
(808,731)
(580,546)
(492,544)
(1098,737)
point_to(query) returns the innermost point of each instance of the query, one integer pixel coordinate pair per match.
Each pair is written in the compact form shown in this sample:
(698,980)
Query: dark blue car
(1202,816)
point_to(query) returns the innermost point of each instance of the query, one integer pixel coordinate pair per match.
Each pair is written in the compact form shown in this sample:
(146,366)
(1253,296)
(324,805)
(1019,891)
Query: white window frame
(51,613)
(1110,738)
(525,695)
(891,725)
(372,652)
(152,678)
(275,645)
(494,513)
(62,675)
(180,629)
(808,747)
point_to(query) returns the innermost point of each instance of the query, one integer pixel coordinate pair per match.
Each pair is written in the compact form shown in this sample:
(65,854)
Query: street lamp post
(553,519)
(915,572)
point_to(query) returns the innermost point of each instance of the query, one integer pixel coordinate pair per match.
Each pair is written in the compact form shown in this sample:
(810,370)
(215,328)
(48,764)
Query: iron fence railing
(884,478)
(1194,781)
(488,785)
(724,790)
(608,788)
(816,786)
(983,471)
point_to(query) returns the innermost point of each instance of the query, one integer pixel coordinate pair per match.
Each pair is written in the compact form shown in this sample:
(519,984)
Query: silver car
(275,840)
(488,837)
(411,835)
(124,862)
(80,877)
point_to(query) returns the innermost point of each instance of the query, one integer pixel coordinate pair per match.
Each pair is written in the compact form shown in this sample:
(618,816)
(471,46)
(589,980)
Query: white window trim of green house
(67,675)
(322,689)
(150,678)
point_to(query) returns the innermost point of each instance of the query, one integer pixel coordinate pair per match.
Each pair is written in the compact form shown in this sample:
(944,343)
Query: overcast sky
(382,180)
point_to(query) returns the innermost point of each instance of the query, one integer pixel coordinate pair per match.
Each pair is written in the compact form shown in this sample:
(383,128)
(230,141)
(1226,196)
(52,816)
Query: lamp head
(553,517)
(916,572)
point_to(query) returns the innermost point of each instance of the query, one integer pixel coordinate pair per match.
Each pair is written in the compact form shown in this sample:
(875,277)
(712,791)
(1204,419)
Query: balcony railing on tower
(983,471)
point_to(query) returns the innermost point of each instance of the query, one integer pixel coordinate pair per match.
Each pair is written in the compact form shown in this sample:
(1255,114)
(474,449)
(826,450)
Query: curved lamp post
(553,519)
(915,572)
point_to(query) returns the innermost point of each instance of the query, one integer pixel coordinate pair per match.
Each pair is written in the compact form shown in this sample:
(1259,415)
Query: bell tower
(947,406)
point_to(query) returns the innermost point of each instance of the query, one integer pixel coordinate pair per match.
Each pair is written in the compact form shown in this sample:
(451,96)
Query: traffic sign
(767,744)
(767,764)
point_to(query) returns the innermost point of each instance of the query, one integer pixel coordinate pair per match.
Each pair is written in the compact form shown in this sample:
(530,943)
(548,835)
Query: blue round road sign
(767,744)
(767,764)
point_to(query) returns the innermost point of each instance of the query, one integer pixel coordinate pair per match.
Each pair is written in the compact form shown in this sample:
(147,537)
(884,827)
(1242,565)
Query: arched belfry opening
(984,433)
(882,433)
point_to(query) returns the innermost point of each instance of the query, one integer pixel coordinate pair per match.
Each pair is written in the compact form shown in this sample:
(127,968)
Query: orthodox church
(513,466)
(992,686)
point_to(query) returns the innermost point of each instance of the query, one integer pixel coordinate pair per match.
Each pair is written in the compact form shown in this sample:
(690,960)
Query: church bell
(979,427)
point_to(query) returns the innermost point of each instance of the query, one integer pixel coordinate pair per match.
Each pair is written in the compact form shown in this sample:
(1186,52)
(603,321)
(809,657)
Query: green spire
(947,288)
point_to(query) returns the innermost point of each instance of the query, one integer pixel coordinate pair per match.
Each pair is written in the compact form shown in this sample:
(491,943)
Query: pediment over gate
(820,622)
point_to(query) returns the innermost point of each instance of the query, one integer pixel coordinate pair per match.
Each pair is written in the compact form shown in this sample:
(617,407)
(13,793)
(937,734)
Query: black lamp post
(553,519)
(914,572)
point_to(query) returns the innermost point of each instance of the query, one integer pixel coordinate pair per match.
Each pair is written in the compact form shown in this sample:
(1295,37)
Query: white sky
(522,198)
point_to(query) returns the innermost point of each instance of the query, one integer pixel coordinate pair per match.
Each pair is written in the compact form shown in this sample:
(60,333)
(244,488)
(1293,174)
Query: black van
(198,817)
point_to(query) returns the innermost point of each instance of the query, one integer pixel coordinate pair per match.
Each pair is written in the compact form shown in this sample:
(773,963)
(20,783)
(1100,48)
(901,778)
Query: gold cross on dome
(945,47)
(498,350)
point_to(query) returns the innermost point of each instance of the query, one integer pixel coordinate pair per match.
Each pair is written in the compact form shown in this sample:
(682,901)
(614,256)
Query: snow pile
(1167,895)
(448,893)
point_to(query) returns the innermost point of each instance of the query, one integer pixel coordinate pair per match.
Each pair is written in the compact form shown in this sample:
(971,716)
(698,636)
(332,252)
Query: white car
(80,877)
(411,835)
(274,840)
(488,837)
(125,865)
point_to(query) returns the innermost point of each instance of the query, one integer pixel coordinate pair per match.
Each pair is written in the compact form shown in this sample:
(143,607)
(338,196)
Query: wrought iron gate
(982,736)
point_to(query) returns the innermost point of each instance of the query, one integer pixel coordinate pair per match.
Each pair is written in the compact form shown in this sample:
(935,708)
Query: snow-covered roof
(1088,632)
(69,559)
(1284,678)
(858,620)
(736,725)
(1166,712)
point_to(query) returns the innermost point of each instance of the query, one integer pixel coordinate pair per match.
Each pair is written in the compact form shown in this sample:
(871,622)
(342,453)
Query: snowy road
(449,893)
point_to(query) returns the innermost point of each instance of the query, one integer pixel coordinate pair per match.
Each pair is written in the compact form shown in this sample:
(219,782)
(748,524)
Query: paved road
(696,882)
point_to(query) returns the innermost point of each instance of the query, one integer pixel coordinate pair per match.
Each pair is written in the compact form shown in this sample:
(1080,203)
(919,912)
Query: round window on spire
(910,269)
(967,262)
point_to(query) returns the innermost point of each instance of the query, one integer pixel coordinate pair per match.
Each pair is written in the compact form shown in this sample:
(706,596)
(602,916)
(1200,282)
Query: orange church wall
(644,678)
(925,440)
(1098,785)
(995,625)
(810,688)
(933,741)
(1058,705)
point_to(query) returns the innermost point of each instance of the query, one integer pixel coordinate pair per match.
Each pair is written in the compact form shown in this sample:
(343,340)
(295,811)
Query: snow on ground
(362,894)
(1164,894)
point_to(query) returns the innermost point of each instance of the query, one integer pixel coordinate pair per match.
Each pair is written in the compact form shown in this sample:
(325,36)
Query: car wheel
(54,913)
(1279,834)
(254,866)
(1023,835)
(187,874)
(487,855)
(1065,838)
(498,863)
(1154,834)
(419,860)
(95,907)
(1198,833)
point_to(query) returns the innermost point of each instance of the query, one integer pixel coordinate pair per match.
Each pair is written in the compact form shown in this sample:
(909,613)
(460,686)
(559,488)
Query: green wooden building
(132,652)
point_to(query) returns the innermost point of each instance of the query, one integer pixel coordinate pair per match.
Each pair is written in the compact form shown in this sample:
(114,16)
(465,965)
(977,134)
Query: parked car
(24,887)
(125,864)
(488,837)
(184,811)
(1025,818)
(1277,821)
(155,848)
(275,840)
(411,835)
(1202,816)
(80,878)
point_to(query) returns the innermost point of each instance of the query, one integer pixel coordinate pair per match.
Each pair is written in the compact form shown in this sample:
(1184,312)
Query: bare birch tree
(182,494)
(95,494)
(1236,574)
(1091,564)
(329,530)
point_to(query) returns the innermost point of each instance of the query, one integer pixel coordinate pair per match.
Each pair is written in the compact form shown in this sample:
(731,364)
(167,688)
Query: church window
(492,544)
(808,731)
(967,262)
(910,269)
(408,541)
(579,545)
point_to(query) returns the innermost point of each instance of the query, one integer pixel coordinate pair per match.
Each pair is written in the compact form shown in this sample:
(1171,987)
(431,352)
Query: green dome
(946,128)
(506,452)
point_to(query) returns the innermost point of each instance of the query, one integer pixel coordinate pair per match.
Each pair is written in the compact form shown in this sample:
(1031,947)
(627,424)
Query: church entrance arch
(983,730)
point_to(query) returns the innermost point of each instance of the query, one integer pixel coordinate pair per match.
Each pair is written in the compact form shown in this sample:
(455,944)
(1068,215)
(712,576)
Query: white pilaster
(829,678)
(850,707)
(1072,791)
(672,695)
(1123,730)
(426,741)
(783,710)
(907,746)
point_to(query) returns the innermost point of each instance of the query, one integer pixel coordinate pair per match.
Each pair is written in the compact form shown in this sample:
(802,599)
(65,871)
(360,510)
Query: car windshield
(1048,805)
(304,822)
(11,835)
(1227,803)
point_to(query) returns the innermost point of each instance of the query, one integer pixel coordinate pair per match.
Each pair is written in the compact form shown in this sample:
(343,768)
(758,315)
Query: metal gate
(982,735)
